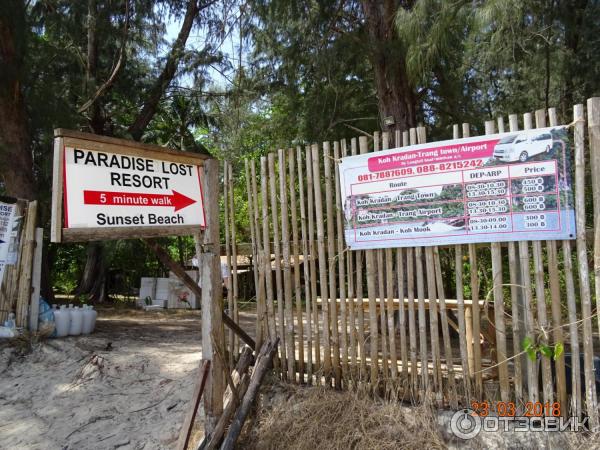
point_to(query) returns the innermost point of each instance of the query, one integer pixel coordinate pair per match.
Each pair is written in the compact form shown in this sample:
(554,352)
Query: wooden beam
(188,422)
(174,267)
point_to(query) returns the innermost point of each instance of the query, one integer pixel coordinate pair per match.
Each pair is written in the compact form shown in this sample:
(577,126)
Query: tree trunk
(162,82)
(16,162)
(93,280)
(397,101)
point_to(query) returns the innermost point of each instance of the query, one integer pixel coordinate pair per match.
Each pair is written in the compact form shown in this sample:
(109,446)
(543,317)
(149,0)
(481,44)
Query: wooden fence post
(213,336)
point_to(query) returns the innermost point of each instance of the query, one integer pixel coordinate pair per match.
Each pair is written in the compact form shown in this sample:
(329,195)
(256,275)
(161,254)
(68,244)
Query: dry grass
(320,418)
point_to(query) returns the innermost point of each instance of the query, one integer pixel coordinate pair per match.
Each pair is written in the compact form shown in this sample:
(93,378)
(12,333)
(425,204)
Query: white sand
(73,393)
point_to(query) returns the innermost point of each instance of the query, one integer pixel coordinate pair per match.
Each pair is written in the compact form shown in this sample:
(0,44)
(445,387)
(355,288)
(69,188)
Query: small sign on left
(114,188)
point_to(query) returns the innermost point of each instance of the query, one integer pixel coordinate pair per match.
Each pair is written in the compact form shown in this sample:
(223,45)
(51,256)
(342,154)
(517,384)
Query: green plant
(533,348)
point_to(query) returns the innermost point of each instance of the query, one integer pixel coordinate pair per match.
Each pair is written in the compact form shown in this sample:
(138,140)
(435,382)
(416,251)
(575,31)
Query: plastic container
(89,319)
(62,320)
(10,322)
(94,315)
(76,321)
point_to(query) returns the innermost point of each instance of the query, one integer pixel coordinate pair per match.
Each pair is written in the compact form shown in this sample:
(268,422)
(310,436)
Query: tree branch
(120,62)
(168,73)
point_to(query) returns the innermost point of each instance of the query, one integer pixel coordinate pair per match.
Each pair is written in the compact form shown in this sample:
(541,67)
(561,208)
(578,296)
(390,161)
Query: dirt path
(124,387)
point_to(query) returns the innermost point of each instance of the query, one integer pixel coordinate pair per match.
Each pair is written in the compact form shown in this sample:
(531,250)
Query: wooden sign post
(108,188)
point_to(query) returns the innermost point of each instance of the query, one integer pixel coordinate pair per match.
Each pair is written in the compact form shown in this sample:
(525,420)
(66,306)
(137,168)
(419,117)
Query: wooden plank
(56,219)
(331,263)
(584,276)
(299,326)
(305,267)
(36,277)
(213,336)
(277,252)
(26,265)
(267,251)
(111,233)
(190,415)
(288,306)
(372,295)
(108,144)
(341,259)
(323,263)
(312,262)
(261,367)
(239,380)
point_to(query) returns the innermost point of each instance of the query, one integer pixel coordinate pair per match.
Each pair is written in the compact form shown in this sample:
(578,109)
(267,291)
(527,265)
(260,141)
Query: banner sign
(502,187)
(7,222)
(114,188)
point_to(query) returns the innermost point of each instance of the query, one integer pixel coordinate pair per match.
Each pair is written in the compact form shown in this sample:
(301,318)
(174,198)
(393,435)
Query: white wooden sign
(112,188)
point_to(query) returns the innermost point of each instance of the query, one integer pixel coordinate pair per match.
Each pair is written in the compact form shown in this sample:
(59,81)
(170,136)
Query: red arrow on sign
(176,200)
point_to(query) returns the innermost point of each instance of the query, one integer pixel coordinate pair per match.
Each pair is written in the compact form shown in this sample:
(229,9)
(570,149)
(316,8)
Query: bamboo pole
(323,282)
(543,322)
(288,308)
(515,319)
(278,275)
(372,294)
(380,274)
(331,263)
(351,290)
(593,110)
(462,331)
(389,264)
(422,319)
(474,343)
(234,272)
(584,277)
(267,252)
(312,263)
(299,326)
(401,313)
(226,207)
(305,266)
(438,385)
(412,326)
(498,293)
(341,265)
(555,295)
(255,236)
(445,329)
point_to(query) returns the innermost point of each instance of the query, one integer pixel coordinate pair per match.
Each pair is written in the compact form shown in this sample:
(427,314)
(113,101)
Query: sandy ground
(126,386)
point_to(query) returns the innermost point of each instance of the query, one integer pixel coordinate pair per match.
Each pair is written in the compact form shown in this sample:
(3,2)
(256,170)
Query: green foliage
(534,348)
